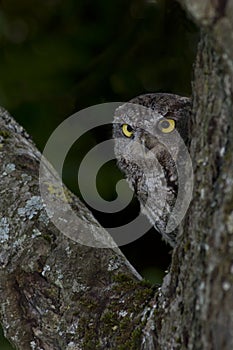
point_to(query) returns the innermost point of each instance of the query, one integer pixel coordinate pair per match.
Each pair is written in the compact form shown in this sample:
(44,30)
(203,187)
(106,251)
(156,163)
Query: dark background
(58,57)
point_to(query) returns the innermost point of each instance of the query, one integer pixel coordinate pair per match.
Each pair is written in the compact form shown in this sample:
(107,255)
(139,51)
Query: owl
(151,134)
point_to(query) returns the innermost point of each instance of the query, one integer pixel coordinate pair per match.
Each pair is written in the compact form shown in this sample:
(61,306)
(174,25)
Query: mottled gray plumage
(148,152)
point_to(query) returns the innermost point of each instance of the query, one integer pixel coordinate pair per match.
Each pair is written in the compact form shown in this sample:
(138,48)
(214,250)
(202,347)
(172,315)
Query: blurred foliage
(58,57)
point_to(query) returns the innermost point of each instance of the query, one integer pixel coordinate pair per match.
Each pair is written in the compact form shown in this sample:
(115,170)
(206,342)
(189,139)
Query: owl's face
(149,133)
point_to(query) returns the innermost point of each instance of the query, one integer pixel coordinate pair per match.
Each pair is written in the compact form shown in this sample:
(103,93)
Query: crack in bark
(221,7)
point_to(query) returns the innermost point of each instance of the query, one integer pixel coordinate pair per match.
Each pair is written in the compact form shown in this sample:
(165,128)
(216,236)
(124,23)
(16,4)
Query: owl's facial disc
(165,126)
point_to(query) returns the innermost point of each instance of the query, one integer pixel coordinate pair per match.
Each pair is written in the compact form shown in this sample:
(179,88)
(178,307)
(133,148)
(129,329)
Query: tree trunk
(96,300)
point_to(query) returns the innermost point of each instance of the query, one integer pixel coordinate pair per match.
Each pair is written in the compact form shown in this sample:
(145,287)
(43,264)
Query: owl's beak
(149,142)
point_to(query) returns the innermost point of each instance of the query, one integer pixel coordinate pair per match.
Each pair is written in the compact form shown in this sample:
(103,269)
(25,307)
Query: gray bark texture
(58,294)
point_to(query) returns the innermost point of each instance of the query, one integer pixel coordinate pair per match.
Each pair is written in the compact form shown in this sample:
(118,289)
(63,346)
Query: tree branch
(55,293)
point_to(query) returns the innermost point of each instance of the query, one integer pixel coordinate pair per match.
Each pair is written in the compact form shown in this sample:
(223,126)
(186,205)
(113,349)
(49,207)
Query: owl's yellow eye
(167,125)
(127,130)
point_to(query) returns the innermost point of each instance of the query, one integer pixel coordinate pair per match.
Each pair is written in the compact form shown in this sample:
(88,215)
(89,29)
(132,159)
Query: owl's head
(158,123)
(153,116)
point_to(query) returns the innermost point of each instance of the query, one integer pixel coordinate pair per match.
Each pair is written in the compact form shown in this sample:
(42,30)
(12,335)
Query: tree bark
(96,300)
(55,293)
